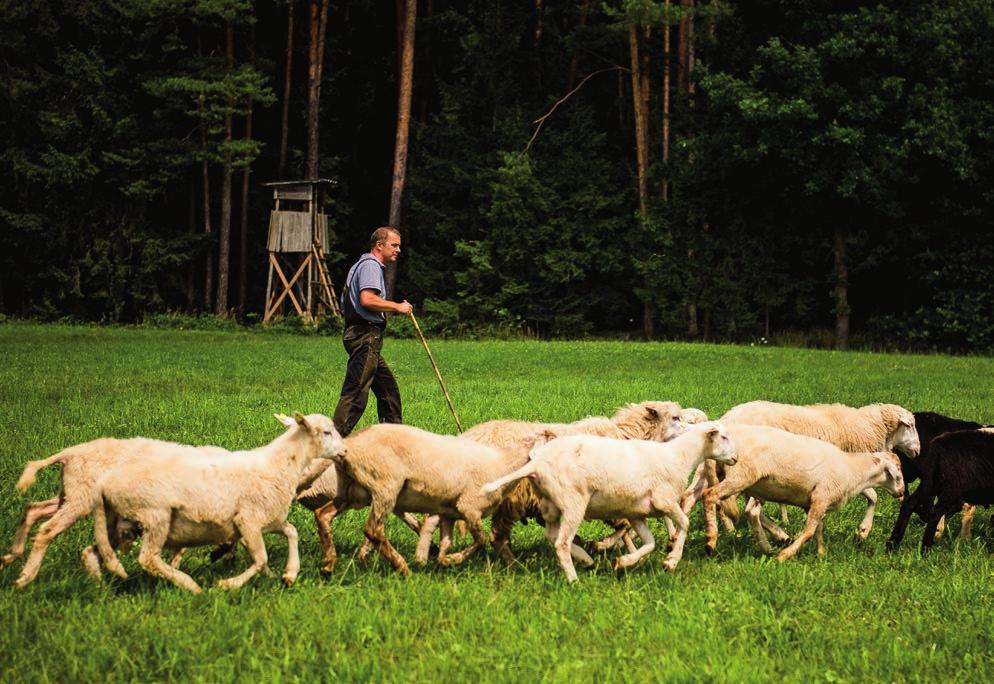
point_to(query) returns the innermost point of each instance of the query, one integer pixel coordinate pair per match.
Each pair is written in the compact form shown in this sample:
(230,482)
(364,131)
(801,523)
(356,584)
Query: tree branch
(541,119)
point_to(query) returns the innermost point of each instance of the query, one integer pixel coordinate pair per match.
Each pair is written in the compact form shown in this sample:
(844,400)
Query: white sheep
(185,496)
(652,420)
(583,476)
(877,427)
(82,465)
(408,469)
(774,465)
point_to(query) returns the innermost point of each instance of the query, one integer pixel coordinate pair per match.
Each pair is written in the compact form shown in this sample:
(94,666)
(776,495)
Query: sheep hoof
(669,565)
(288,580)
(328,568)
(618,565)
(225,584)
(709,550)
(21,583)
(451,559)
(6,560)
(862,533)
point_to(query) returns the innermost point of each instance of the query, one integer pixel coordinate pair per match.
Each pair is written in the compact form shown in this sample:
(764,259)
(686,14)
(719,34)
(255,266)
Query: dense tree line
(676,168)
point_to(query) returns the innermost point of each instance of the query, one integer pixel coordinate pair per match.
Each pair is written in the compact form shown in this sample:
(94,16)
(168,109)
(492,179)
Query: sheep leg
(941,508)
(252,538)
(568,524)
(424,539)
(501,525)
(815,515)
(62,520)
(612,540)
(768,524)
(820,537)
(323,518)
(292,553)
(867,523)
(784,515)
(474,525)
(903,517)
(648,544)
(967,524)
(682,523)
(177,558)
(411,521)
(754,511)
(154,536)
(712,496)
(445,538)
(33,512)
(374,530)
(100,535)
(91,562)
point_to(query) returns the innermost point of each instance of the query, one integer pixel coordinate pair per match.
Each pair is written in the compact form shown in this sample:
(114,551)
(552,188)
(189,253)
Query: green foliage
(807,116)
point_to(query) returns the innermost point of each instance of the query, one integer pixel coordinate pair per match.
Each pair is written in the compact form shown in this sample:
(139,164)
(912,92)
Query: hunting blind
(298,237)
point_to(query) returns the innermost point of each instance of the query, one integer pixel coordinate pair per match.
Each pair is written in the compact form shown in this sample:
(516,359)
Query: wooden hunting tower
(298,237)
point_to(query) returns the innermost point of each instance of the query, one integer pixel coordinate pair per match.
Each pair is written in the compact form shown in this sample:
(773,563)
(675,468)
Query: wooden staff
(435,366)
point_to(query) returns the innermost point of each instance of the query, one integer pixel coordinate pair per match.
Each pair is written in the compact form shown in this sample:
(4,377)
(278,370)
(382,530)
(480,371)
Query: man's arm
(374,302)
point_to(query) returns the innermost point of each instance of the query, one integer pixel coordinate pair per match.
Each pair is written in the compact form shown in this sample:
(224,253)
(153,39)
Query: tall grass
(858,614)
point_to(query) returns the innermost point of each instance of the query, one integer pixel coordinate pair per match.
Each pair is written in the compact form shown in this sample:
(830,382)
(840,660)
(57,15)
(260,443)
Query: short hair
(382,234)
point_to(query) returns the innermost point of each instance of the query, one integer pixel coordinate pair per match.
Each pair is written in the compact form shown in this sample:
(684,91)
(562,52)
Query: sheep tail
(524,471)
(31,470)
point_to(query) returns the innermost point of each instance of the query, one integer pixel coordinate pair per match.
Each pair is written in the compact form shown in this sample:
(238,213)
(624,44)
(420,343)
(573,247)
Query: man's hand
(405,307)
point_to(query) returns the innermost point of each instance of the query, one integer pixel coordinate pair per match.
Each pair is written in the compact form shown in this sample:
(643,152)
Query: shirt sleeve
(369,276)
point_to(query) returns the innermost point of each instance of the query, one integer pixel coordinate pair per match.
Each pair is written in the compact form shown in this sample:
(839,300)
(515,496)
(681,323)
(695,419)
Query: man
(364,304)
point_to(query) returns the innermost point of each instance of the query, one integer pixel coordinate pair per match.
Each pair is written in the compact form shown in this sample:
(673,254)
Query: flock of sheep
(624,469)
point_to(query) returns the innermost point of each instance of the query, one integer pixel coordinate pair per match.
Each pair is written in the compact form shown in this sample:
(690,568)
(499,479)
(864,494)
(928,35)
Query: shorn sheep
(583,476)
(82,464)
(877,427)
(407,469)
(649,420)
(186,496)
(958,469)
(774,465)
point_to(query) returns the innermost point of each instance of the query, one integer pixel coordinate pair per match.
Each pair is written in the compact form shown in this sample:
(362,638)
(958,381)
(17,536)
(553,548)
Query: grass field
(858,614)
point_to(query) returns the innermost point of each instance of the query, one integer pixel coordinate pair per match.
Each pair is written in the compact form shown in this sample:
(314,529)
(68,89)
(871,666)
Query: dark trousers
(366,371)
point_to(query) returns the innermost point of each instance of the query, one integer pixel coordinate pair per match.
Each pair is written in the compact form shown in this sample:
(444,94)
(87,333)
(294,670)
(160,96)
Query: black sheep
(958,469)
(929,426)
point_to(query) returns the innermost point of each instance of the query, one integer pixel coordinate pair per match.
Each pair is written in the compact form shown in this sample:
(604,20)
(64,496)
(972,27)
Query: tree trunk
(581,23)
(191,297)
(403,127)
(639,100)
(641,145)
(841,290)
(287,77)
(539,22)
(319,22)
(681,47)
(692,330)
(224,235)
(666,105)
(205,176)
(246,172)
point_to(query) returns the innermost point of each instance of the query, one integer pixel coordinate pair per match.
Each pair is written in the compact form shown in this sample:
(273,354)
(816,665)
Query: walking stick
(435,366)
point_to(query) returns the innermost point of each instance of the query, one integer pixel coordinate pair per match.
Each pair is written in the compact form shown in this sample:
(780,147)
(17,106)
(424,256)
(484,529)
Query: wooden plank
(288,286)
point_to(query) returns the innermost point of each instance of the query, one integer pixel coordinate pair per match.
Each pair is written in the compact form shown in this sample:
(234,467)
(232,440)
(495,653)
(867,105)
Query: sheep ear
(302,420)
(905,421)
(540,438)
(876,460)
(287,421)
(652,413)
(713,433)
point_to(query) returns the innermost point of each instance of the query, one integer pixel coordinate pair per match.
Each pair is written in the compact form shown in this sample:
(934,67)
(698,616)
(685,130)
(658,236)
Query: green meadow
(859,614)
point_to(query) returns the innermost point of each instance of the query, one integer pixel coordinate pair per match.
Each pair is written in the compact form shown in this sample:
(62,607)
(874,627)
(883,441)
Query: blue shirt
(365,274)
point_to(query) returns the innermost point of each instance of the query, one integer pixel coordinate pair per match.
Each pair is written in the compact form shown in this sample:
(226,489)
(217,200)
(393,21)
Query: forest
(680,169)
